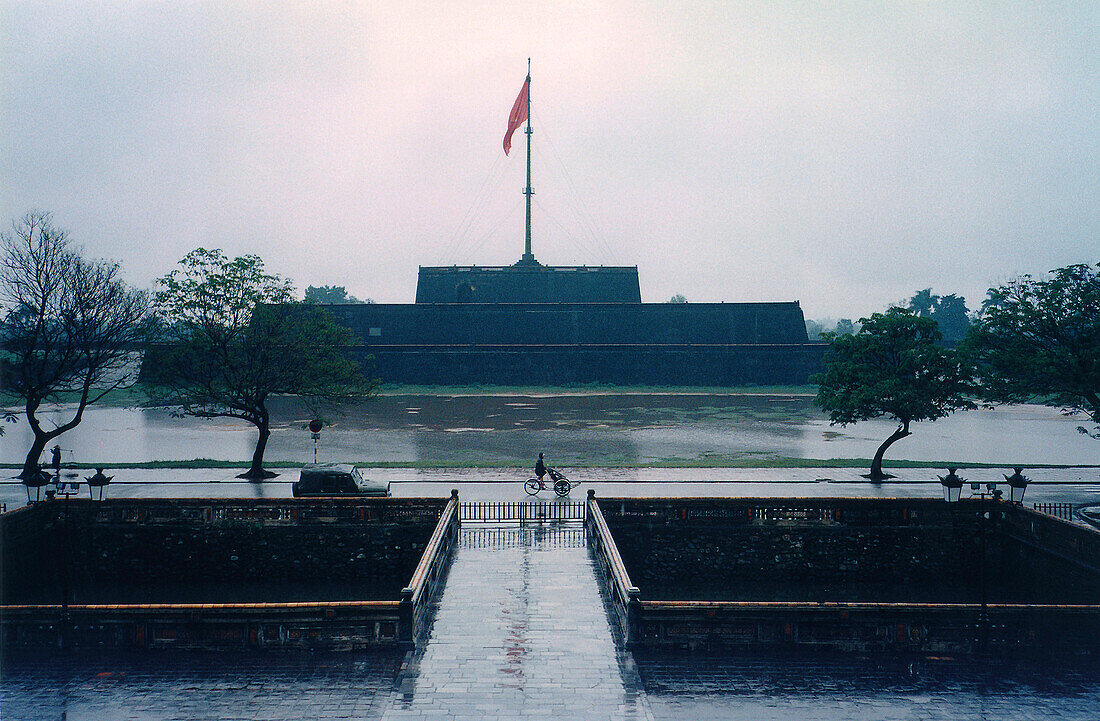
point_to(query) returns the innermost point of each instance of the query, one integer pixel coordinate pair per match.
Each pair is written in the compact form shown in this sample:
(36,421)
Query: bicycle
(562,485)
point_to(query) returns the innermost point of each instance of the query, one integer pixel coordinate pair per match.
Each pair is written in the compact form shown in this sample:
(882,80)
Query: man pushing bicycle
(540,471)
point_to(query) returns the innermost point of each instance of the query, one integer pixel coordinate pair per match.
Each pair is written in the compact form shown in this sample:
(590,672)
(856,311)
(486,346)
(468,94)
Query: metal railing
(622,594)
(1058,510)
(543,536)
(521,511)
(430,573)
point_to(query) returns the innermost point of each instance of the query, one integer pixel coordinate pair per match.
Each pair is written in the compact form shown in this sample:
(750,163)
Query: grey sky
(840,154)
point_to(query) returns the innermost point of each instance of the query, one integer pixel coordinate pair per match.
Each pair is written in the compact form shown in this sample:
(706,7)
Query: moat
(574,428)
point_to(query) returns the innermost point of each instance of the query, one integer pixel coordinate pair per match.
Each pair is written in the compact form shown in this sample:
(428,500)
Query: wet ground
(521,632)
(578,430)
(1079,486)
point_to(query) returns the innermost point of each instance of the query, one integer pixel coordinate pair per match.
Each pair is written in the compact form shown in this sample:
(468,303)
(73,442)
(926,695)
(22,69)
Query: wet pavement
(1079,486)
(520,631)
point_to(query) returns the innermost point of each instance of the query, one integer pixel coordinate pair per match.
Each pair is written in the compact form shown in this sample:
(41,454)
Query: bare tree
(70,325)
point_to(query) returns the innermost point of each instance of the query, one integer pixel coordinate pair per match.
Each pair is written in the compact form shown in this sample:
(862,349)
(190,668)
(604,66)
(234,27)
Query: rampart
(569,343)
(217,572)
(599,324)
(850,573)
(655,365)
(527,282)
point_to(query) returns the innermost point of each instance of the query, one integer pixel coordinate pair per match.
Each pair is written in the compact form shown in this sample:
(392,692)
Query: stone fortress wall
(549,325)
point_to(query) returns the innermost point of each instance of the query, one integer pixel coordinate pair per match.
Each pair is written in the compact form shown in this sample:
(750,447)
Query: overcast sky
(840,154)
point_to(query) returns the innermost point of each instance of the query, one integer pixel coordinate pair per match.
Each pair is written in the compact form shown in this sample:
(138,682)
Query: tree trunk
(256,470)
(42,438)
(876,473)
(30,465)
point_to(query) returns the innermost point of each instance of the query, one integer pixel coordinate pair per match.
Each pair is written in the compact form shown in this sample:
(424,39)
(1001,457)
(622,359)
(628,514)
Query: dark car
(337,479)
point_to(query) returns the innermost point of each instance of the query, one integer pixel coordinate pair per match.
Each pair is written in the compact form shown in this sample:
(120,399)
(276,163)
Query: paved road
(1079,486)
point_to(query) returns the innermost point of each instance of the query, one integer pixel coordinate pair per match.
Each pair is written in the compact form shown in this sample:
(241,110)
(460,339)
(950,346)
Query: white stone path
(520,632)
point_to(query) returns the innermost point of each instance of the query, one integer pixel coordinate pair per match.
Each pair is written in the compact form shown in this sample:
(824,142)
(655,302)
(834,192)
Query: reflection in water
(574,430)
(166,684)
(740,685)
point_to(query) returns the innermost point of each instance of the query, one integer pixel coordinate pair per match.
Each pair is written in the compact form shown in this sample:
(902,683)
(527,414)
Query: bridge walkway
(520,631)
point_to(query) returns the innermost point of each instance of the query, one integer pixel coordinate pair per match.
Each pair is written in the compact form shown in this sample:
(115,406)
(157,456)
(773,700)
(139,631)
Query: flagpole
(527,255)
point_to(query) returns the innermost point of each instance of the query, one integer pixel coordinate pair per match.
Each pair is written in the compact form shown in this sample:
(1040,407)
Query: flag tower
(528,257)
(521,111)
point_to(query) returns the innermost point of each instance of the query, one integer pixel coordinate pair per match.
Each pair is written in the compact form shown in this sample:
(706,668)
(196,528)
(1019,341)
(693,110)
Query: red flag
(517,116)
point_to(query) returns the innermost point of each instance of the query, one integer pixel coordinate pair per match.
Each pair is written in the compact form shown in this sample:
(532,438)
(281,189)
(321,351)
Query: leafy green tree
(949,312)
(844,326)
(952,317)
(678,298)
(70,326)
(330,294)
(240,338)
(923,303)
(892,367)
(1038,340)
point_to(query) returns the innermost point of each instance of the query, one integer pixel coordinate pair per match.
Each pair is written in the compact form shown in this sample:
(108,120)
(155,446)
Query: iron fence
(521,511)
(1058,510)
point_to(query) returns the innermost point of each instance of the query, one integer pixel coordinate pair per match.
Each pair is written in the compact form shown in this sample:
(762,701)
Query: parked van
(337,479)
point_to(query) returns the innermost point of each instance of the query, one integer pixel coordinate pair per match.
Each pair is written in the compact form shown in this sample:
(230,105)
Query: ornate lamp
(952,485)
(97,485)
(36,485)
(1017,484)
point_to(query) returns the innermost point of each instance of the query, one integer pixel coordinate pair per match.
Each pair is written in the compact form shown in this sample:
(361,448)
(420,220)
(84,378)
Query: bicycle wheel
(532,486)
(561,487)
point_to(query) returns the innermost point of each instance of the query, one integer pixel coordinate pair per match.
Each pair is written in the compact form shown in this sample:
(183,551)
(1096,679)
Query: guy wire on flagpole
(527,255)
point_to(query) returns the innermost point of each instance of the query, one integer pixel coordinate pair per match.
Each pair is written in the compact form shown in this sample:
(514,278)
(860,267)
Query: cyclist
(540,470)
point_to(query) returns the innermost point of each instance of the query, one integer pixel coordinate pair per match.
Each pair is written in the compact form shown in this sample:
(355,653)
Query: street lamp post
(315,427)
(1017,484)
(97,486)
(990,512)
(952,485)
(37,484)
(65,489)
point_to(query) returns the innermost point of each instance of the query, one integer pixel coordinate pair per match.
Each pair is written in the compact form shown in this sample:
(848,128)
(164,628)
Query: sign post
(315,427)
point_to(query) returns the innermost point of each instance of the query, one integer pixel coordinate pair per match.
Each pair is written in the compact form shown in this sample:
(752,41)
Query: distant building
(530,324)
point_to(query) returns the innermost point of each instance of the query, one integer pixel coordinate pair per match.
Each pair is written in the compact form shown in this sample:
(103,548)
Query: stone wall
(570,365)
(599,324)
(658,344)
(838,550)
(211,551)
(528,283)
(856,575)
